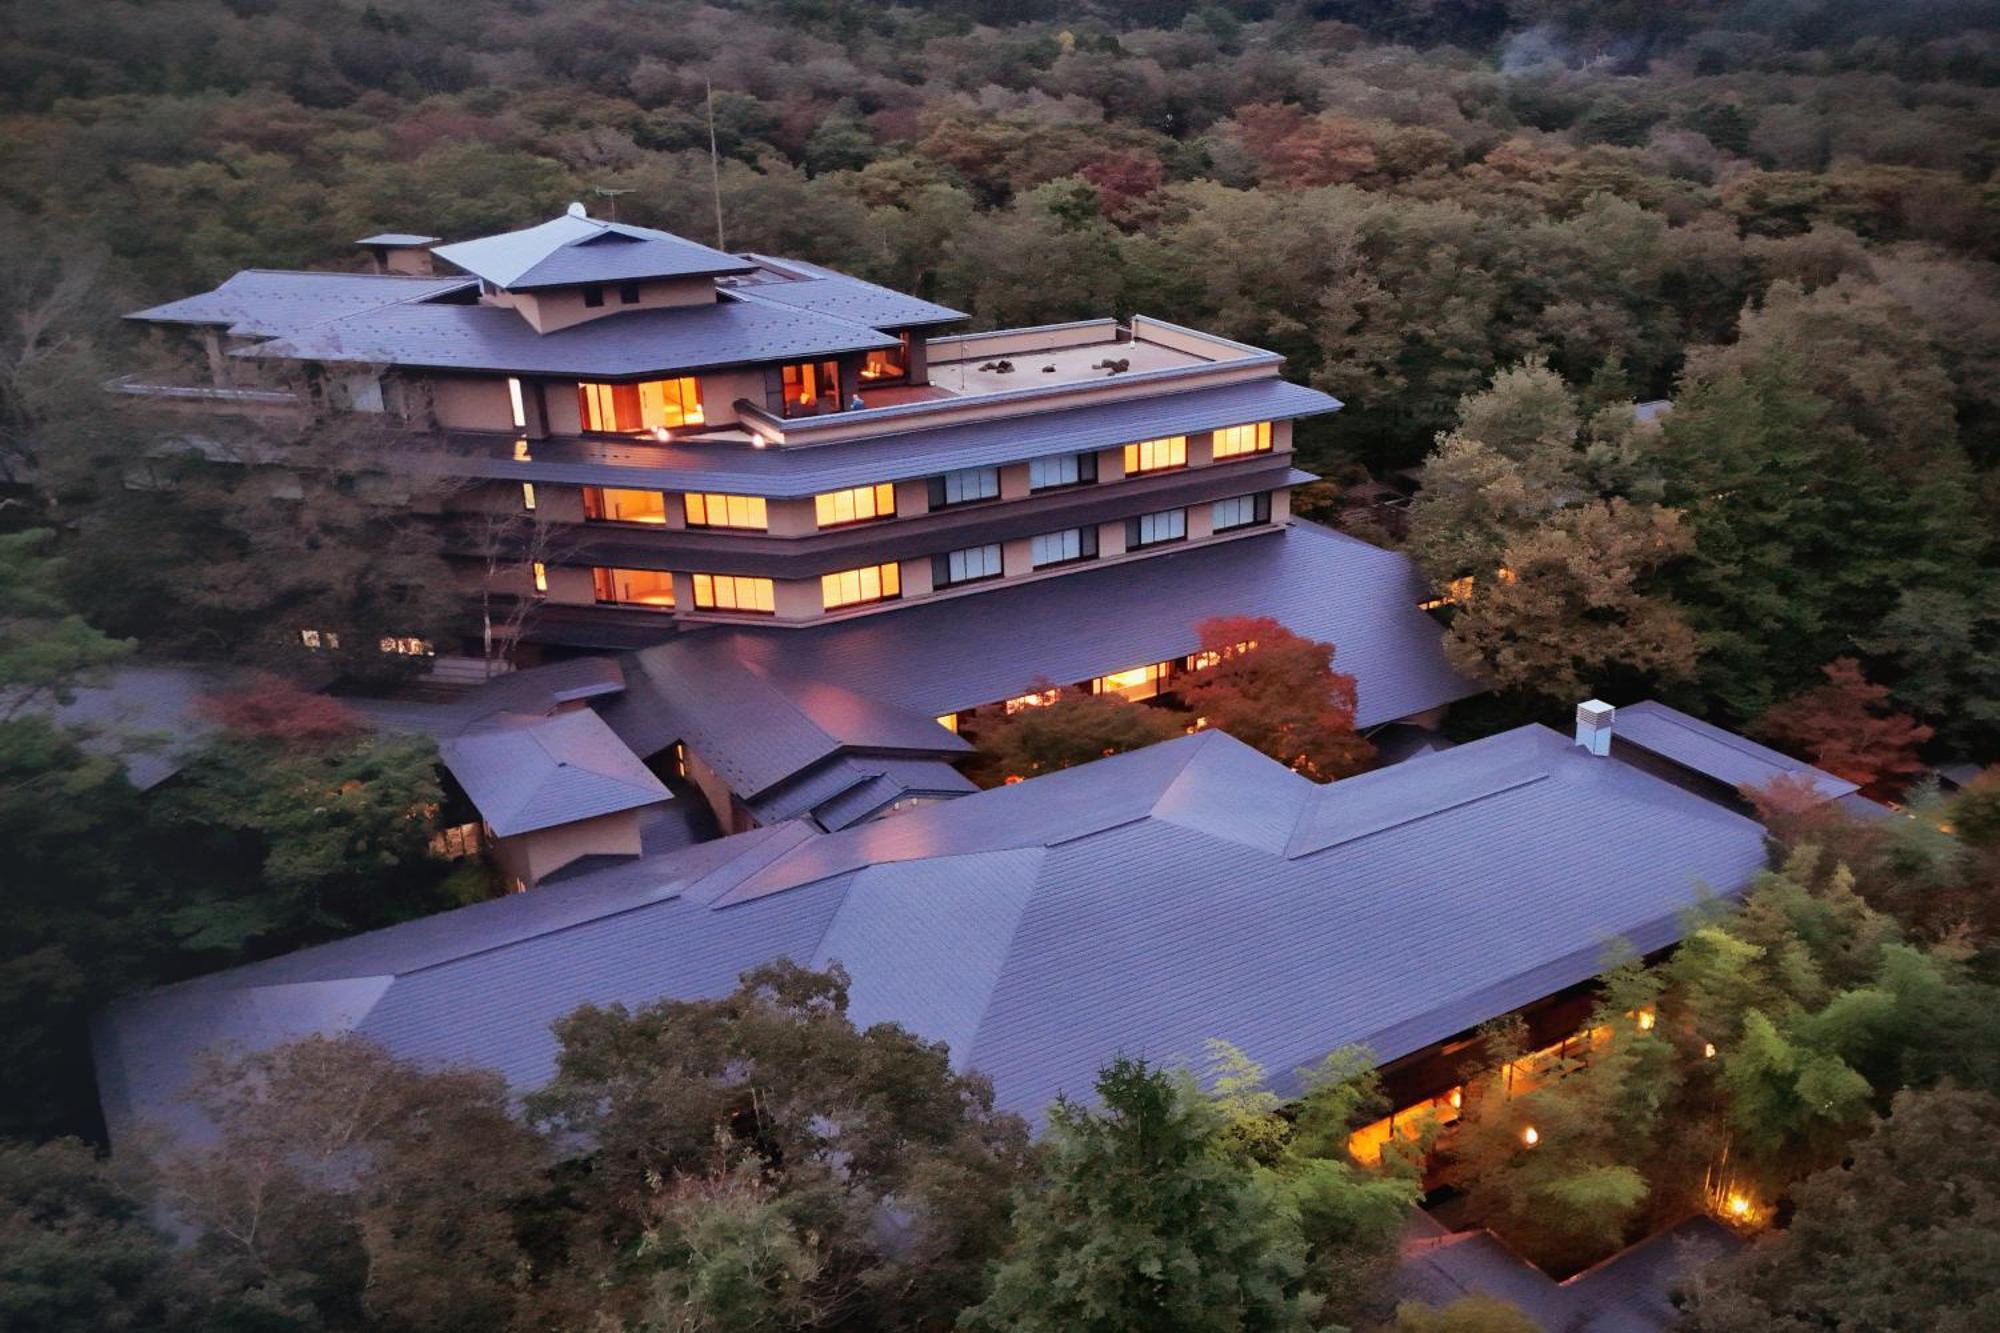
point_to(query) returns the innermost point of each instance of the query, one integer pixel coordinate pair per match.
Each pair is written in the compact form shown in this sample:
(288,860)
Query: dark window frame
(628,293)
(593,296)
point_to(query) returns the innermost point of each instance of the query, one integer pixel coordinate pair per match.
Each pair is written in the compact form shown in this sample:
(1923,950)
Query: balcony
(209,397)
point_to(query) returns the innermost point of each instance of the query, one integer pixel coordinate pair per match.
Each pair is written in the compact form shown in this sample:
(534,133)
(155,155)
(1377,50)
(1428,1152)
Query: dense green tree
(1136,1222)
(1903,1236)
(885,1174)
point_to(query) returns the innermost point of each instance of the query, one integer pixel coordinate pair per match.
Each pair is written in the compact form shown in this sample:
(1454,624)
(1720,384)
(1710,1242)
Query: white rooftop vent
(576,211)
(1593,725)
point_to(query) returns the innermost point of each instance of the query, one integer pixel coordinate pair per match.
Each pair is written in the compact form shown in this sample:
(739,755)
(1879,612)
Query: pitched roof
(939,657)
(1144,903)
(528,773)
(742,469)
(1714,753)
(1631,1292)
(828,292)
(145,715)
(268,303)
(631,342)
(842,791)
(398,238)
(573,249)
(757,723)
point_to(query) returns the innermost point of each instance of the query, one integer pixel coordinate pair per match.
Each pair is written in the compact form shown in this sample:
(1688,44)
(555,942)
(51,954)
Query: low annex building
(1145,903)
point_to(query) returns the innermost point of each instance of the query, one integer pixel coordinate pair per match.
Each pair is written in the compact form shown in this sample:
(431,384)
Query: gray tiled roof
(780,472)
(832,293)
(1709,750)
(569,249)
(397,238)
(633,342)
(940,657)
(528,773)
(1140,904)
(146,716)
(268,303)
(758,723)
(1631,1292)
(848,788)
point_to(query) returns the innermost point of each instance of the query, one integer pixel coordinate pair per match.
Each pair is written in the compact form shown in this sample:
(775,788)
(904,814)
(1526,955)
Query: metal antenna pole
(714,166)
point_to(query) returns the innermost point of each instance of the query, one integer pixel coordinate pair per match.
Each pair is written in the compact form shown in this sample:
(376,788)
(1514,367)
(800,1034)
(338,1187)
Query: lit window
(968,486)
(1039,699)
(320,639)
(1237,441)
(887,364)
(520,407)
(733,592)
(608,504)
(630,408)
(1241,511)
(968,566)
(1046,474)
(541,577)
(1169,525)
(1454,594)
(858,505)
(528,495)
(725,511)
(1208,657)
(852,587)
(652,588)
(811,386)
(1156,455)
(1061,548)
(1138,683)
(949,721)
(400,647)
(521,450)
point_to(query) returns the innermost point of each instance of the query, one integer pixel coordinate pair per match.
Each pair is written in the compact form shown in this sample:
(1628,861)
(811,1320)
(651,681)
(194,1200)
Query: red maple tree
(270,707)
(1846,727)
(1277,691)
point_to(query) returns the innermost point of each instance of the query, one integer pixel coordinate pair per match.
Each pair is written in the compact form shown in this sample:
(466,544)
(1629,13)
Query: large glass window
(858,505)
(1237,441)
(1061,548)
(1156,455)
(888,365)
(608,504)
(968,486)
(733,592)
(725,511)
(1241,511)
(1169,525)
(1138,683)
(811,387)
(634,587)
(629,408)
(1046,474)
(851,587)
(968,566)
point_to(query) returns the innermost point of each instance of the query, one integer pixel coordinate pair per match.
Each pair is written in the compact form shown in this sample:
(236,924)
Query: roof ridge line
(1386,826)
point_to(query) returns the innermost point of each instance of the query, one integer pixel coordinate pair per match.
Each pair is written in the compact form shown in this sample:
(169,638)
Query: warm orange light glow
(1457,1099)
(1156,455)
(1708,1050)
(1531,1136)
(1645,1020)
(541,577)
(609,504)
(1236,441)
(725,511)
(1039,699)
(1738,1206)
(949,721)
(634,587)
(629,408)
(734,592)
(857,505)
(851,587)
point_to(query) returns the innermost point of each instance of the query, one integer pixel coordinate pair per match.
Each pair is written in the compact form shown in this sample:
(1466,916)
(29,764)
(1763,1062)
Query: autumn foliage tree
(1846,727)
(1072,728)
(1277,691)
(270,707)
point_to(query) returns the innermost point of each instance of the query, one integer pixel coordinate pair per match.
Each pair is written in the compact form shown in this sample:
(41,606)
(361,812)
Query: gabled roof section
(1714,753)
(575,248)
(528,773)
(939,657)
(623,345)
(848,788)
(399,239)
(828,292)
(1043,927)
(754,722)
(271,303)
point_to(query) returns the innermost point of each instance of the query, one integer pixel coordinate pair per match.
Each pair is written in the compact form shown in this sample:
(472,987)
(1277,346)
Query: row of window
(876,583)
